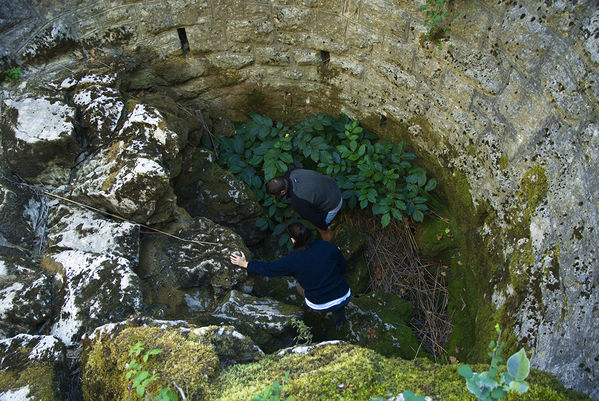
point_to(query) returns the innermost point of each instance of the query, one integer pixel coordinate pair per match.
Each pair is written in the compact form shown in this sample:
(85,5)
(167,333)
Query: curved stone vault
(508,101)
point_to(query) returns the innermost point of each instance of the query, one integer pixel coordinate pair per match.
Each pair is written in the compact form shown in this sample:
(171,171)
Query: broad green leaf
(465,371)
(519,386)
(518,365)
(363,203)
(418,216)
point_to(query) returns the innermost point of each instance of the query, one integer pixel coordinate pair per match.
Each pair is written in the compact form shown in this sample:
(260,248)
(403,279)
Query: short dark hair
(301,234)
(275,185)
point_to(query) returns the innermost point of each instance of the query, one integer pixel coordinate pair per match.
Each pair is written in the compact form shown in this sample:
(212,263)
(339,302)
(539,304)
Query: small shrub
(492,385)
(437,19)
(304,335)
(274,391)
(142,378)
(12,74)
(369,171)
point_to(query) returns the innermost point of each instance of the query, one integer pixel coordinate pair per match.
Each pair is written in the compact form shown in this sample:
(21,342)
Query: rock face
(186,277)
(204,189)
(38,139)
(507,113)
(33,368)
(265,320)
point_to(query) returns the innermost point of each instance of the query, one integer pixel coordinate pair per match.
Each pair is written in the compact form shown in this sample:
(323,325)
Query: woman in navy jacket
(318,267)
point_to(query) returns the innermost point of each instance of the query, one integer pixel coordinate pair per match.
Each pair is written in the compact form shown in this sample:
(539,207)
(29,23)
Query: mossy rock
(434,238)
(341,371)
(33,367)
(377,321)
(189,355)
(279,288)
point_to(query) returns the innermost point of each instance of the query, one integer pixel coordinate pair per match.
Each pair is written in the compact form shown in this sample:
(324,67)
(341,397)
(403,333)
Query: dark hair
(275,185)
(301,234)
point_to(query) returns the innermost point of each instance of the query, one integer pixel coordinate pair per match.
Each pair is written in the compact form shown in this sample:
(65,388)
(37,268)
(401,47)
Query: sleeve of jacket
(281,267)
(308,212)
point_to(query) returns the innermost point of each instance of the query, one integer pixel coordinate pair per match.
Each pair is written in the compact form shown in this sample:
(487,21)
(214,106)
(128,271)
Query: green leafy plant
(495,384)
(304,335)
(12,74)
(274,391)
(437,19)
(369,171)
(142,378)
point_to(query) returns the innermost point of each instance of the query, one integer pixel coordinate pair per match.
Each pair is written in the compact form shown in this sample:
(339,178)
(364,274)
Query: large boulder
(204,189)
(266,321)
(26,296)
(96,289)
(188,270)
(73,227)
(126,181)
(38,139)
(189,356)
(33,368)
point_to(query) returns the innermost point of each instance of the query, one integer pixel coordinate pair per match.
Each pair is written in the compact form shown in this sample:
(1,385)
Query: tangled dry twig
(396,268)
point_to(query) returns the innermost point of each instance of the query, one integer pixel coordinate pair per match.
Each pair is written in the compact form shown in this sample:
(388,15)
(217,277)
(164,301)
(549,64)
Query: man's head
(276,187)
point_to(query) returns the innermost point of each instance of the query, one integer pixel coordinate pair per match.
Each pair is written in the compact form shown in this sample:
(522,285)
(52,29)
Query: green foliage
(492,385)
(12,74)
(274,392)
(142,378)
(437,18)
(370,172)
(304,335)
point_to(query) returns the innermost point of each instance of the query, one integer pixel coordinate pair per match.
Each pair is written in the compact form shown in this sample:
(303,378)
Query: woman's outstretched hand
(238,258)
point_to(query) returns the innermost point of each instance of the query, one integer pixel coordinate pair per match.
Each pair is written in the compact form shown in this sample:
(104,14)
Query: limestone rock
(126,181)
(38,139)
(72,227)
(204,189)
(262,319)
(377,321)
(96,289)
(190,355)
(26,299)
(101,106)
(33,368)
(187,276)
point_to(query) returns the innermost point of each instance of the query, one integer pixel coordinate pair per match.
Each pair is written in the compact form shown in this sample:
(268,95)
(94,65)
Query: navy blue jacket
(312,195)
(319,270)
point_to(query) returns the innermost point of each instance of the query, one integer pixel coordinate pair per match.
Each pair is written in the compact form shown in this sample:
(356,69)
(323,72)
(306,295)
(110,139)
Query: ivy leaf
(385,220)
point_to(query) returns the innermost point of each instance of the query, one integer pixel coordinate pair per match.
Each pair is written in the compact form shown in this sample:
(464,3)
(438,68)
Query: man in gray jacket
(315,197)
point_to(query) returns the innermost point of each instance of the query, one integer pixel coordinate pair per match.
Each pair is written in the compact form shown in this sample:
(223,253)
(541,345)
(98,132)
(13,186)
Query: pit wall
(503,110)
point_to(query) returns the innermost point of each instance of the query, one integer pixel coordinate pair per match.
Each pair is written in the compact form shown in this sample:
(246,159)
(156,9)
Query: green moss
(347,372)
(503,162)
(187,362)
(39,376)
(471,151)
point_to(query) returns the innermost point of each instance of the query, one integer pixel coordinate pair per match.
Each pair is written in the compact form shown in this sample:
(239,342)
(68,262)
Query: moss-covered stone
(348,372)
(37,363)
(187,362)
